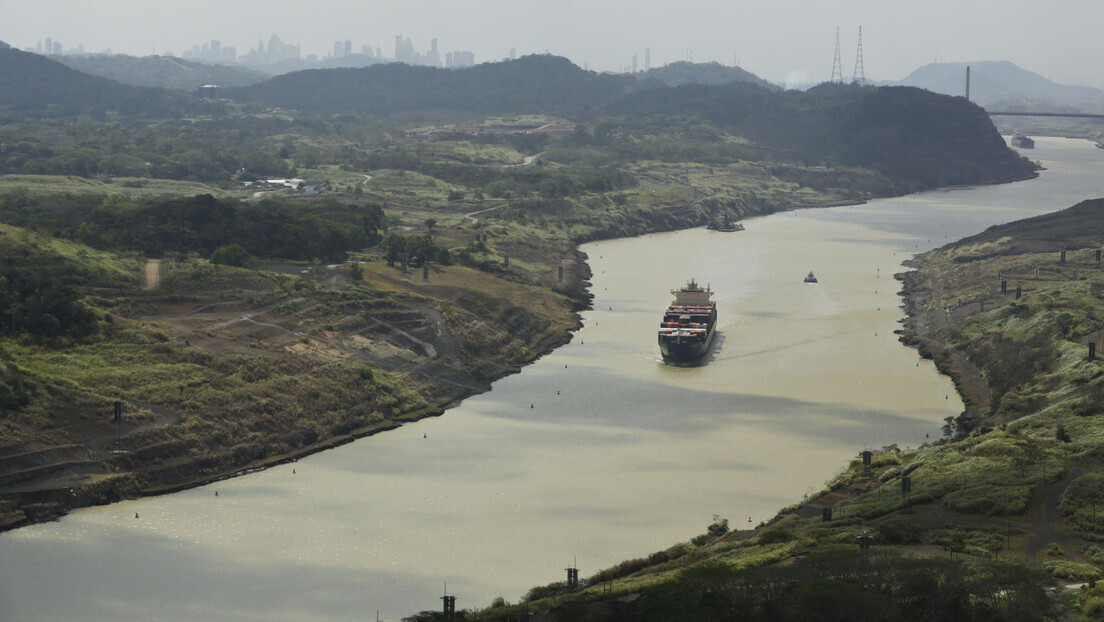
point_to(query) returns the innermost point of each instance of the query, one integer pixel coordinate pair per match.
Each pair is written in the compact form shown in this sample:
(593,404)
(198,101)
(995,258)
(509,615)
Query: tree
(231,255)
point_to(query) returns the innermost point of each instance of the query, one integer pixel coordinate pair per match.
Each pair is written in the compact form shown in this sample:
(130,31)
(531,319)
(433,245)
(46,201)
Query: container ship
(688,325)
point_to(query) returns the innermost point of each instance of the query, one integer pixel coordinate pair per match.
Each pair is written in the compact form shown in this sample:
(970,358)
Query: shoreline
(52,504)
(37,504)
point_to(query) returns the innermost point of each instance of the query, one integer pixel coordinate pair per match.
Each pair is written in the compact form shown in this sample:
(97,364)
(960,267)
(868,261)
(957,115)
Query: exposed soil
(75,464)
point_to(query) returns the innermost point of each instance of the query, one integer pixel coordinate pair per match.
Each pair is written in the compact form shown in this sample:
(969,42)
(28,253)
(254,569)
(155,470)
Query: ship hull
(687,349)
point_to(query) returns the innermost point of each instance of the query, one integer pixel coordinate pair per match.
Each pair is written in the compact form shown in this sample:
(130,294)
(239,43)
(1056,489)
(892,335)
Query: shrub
(231,255)
(1071,571)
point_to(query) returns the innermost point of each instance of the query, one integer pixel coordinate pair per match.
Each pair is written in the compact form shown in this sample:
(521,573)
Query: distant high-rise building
(513,53)
(433,58)
(216,48)
(459,58)
(348,47)
(634,64)
(274,52)
(338,49)
(404,51)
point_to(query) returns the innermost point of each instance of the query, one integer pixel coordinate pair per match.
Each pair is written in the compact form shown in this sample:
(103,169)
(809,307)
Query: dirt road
(153,274)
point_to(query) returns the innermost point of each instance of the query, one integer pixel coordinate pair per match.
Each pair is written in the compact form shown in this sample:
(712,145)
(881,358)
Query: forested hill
(34,85)
(903,132)
(167,72)
(531,84)
(683,72)
(918,138)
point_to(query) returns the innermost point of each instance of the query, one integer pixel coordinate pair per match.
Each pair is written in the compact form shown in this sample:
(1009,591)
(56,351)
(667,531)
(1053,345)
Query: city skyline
(787,42)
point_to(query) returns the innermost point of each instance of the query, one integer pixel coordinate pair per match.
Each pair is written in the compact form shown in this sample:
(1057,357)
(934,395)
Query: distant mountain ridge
(994,82)
(535,83)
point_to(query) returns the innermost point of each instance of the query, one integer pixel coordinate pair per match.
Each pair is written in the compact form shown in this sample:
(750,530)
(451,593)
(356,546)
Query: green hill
(165,72)
(33,85)
(684,72)
(532,84)
(906,133)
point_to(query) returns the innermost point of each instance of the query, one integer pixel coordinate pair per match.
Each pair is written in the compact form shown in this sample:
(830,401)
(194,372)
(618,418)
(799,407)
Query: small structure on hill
(210,91)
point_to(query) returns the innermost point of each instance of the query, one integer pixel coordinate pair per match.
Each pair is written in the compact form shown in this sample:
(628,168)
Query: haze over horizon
(786,42)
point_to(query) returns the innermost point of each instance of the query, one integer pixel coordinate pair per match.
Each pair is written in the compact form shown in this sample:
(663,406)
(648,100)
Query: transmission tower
(859,75)
(837,68)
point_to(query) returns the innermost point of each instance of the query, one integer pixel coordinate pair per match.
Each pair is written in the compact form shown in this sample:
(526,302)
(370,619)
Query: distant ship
(1023,141)
(689,323)
(726,224)
(809,278)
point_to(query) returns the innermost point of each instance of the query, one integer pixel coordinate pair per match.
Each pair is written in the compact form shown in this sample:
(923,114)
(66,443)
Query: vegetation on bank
(225,357)
(979,524)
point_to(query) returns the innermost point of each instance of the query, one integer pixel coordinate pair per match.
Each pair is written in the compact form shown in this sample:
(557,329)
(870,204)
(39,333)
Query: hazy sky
(780,40)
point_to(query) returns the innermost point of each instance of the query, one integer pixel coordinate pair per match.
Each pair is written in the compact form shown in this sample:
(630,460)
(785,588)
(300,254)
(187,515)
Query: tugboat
(726,224)
(1022,141)
(689,323)
(809,278)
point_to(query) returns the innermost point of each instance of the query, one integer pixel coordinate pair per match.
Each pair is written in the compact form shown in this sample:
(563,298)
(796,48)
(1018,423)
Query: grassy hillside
(974,525)
(221,369)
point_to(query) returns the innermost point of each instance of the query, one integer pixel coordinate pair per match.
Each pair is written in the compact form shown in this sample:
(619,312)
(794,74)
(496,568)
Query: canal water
(595,454)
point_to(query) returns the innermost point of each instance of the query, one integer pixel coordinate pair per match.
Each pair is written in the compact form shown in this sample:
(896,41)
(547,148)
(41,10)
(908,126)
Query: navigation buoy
(531,405)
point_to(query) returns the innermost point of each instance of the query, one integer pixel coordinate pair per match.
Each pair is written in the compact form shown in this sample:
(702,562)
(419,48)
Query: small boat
(809,278)
(1022,141)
